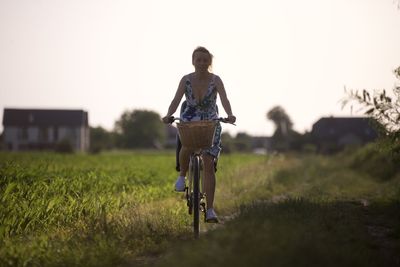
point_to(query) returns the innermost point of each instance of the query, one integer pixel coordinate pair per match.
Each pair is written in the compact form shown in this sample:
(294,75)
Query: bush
(382,158)
(96,149)
(64,146)
(379,160)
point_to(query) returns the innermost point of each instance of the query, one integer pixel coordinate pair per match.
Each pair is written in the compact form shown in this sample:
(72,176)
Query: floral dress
(206,109)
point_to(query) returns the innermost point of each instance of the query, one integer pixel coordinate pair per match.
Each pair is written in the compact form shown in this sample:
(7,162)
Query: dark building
(333,134)
(35,129)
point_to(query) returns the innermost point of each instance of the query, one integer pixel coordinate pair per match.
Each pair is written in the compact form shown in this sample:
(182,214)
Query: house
(261,144)
(38,129)
(333,134)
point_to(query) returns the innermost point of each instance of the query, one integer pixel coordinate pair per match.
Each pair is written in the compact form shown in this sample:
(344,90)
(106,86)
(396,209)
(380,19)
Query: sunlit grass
(92,210)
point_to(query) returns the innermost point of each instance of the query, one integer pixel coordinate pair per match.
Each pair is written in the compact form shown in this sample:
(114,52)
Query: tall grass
(92,210)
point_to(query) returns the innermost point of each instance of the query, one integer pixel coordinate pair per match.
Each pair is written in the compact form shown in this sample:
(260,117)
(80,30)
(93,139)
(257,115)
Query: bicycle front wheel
(196,196)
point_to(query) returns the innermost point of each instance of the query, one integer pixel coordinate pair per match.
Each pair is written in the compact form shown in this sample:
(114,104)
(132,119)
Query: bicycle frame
(195,195)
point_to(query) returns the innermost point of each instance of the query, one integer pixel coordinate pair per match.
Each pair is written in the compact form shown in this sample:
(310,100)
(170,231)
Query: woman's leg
(209,168)
(184,155)
(209,179)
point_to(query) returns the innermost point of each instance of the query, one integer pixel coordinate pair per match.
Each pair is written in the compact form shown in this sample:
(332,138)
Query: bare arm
(224,100)
(177,99)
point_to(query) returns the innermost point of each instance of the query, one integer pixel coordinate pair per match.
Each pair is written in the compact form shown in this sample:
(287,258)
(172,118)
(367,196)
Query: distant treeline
(143,129)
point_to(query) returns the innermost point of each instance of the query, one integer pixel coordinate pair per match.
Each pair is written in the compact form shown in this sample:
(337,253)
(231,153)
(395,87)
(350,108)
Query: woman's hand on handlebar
(231,119)
(168,119)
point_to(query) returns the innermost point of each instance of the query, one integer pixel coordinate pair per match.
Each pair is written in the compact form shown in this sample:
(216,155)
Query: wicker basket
(196,134)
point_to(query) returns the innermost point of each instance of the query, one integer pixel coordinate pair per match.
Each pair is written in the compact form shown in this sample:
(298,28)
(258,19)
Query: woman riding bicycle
(200,89)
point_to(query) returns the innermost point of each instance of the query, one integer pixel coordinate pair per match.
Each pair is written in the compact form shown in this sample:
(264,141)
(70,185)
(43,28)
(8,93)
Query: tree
(386,113)
(243,142)
(227,143)
(281,120)
(100,139)
(283,135)
(140,129)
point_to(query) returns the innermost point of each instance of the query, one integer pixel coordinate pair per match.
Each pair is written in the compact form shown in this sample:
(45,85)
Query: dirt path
(380,225)
(380,222)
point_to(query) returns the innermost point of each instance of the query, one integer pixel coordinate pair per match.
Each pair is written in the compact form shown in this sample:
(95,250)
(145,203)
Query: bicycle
(194,190)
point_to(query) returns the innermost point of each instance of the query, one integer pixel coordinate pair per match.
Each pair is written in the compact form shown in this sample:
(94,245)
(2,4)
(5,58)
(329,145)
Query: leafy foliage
(284,137)
(377,160)
(243,142)
(379,106)
(100,139)
(386,112)
(140,129)
(282,121)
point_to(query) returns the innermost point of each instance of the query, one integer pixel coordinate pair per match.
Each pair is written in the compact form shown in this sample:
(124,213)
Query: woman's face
(201,61)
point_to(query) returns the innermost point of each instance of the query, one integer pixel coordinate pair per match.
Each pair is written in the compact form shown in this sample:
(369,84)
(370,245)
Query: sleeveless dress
(206,109)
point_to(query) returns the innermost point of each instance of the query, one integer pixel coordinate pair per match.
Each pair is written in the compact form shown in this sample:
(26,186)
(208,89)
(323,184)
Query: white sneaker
(180,184)
(211,217)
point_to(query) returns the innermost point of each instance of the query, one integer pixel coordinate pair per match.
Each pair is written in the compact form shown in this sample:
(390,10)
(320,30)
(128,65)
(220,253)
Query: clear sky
(108,56)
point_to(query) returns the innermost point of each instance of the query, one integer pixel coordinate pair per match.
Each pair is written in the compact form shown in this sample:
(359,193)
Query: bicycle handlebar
(221,119)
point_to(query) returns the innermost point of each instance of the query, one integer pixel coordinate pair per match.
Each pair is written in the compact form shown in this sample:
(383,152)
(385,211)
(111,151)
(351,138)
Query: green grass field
(119,209)
(96,210)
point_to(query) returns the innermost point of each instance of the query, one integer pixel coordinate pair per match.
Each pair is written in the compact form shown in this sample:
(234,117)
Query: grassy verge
(288,233)
(310,211)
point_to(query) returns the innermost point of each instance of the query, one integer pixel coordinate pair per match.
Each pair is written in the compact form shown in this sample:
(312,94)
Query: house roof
(44,117)
(332,127)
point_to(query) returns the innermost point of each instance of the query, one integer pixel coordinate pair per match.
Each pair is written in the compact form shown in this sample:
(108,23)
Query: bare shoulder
(218,81)
(184,79)
(182,85)
(217,78)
